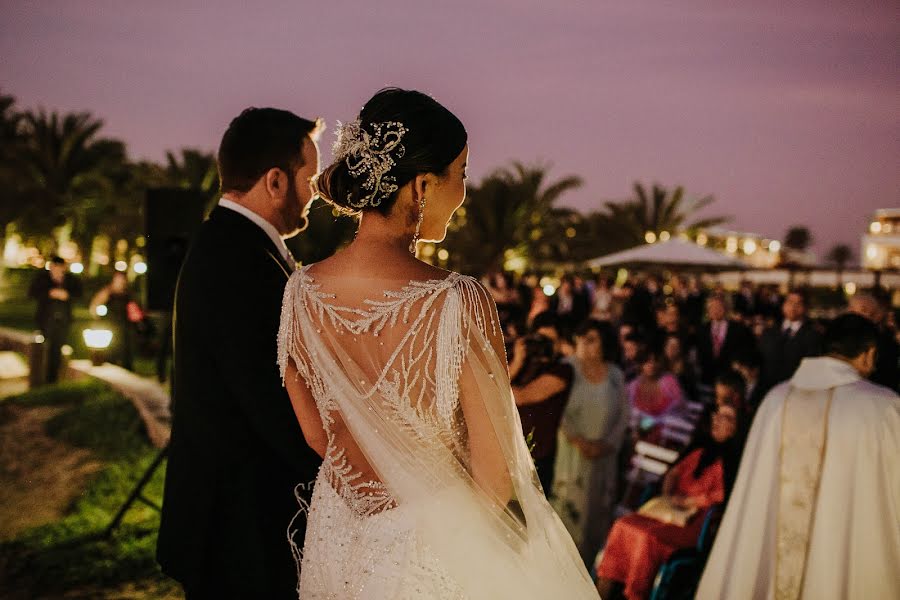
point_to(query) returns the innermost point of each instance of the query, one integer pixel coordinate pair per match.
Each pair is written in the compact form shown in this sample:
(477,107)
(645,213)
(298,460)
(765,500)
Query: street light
(97,341)
(650,237)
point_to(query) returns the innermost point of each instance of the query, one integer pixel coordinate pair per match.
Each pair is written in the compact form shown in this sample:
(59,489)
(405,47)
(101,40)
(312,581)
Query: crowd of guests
(597,368)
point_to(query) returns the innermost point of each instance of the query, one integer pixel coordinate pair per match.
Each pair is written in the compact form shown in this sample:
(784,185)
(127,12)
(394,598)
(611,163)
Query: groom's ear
(276,182)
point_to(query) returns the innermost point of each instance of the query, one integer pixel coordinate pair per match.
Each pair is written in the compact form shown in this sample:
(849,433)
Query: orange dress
(637,545)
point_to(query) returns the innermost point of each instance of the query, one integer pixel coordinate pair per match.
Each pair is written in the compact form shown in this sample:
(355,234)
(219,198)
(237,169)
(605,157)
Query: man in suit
(719,339)
(887,362)
(786,344)
(237,451)
(745,301)
(54,289)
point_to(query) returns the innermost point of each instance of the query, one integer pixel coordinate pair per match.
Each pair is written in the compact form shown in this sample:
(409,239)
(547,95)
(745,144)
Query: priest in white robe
(815,511)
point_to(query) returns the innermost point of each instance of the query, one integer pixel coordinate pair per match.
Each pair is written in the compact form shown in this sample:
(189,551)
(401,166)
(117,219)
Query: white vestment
(817,497)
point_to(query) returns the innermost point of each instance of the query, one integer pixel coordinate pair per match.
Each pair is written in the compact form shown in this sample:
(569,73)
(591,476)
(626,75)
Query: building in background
(881,245)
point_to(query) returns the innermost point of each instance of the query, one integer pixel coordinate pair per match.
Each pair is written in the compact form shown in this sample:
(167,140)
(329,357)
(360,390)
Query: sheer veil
(414,396)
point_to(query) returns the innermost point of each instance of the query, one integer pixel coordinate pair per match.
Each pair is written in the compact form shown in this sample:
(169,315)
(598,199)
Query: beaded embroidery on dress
(426,489)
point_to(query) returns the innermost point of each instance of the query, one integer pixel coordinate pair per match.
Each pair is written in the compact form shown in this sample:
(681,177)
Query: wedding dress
(427,489)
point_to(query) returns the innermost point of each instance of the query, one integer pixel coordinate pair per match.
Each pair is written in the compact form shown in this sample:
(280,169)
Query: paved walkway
(150,398)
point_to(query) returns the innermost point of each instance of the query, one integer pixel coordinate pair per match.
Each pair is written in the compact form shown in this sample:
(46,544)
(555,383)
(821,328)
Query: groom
(237,451)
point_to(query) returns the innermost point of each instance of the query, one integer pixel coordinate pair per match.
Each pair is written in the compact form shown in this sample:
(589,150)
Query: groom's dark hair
(849,335)
(260,139)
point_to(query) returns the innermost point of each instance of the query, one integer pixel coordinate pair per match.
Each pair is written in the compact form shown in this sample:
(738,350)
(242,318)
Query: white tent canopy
(674,252)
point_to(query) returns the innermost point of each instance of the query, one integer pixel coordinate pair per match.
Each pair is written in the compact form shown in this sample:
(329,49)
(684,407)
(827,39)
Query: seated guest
(632,346)
(638,545)
(653,395)
(679,366)
(541,385)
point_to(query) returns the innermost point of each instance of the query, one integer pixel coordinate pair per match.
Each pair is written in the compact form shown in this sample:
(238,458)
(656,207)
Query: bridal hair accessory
(371,154)
(415,240)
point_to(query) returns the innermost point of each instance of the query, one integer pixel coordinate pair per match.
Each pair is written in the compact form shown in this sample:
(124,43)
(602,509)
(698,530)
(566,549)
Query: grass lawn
(69,456)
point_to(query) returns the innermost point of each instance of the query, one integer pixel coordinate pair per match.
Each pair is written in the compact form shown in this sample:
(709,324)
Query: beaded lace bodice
(427,490)
(409,345)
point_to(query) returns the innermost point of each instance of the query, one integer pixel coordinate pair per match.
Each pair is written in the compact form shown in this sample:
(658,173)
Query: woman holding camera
(541,385)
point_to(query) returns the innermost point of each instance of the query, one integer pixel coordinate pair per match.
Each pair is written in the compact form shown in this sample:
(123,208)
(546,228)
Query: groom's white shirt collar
(261,223)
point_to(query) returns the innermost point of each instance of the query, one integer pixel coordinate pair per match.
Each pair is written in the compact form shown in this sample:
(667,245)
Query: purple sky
(787,114)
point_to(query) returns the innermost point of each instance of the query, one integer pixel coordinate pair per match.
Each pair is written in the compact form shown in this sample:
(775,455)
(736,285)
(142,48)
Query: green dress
(585,489)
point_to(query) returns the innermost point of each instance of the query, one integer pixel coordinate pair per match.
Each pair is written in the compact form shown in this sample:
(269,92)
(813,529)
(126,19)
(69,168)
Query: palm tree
(796,241)
(10,155)
(512,209)
(839,256)
(657,210)
(195,170)
(798,238)
(70,173)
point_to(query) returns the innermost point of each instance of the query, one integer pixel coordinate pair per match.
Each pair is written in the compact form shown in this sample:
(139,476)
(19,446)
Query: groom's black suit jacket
(237,451)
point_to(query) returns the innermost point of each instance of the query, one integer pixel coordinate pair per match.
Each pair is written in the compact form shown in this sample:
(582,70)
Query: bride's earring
(415,240)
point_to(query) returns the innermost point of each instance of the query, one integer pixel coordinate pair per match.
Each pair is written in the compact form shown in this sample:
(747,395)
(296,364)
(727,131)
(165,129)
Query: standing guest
(748,362)
(572,303)
(887,369)
(526,288)
(771,303)
(541,383)
(540,304)
(237,455)
(745,301)
(719,339)
(694,303)
(816,505)
(669,323)
(54,290)
(117,299)
(582,293)
(505,296)
(652,396)
(638,545)
(785,345)
(638,308)
(591,434)
(601,308)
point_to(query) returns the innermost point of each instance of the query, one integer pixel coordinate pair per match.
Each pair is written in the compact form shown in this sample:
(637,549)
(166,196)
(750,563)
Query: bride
(397,374)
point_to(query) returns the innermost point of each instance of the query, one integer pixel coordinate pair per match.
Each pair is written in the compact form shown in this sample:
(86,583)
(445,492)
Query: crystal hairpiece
(371,154)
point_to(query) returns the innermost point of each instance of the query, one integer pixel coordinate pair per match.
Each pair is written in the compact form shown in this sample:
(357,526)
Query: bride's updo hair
(431,138)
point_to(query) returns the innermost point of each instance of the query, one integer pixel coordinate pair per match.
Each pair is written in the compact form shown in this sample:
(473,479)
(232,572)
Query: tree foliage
(512,209)
(655,210)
